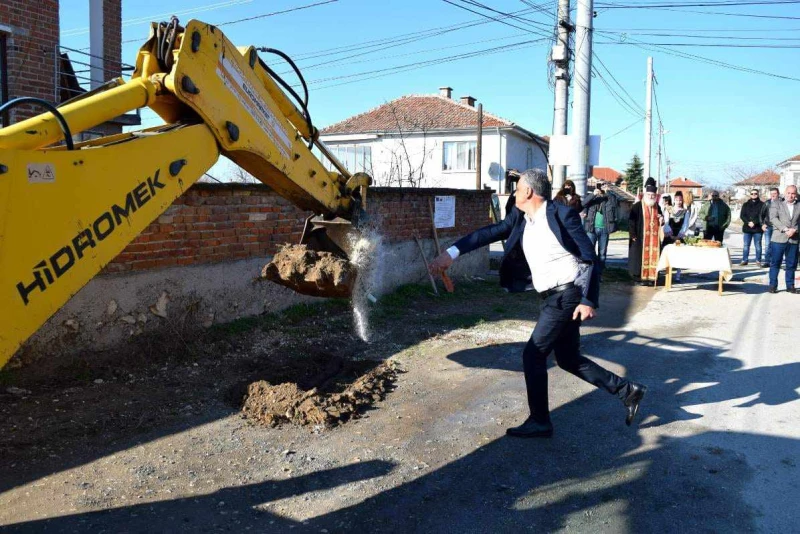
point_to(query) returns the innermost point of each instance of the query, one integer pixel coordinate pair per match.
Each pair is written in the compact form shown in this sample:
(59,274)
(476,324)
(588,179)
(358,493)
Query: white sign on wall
(444,214)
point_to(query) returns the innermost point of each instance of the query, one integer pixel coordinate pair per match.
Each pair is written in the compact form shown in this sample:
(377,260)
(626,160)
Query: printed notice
(444,215)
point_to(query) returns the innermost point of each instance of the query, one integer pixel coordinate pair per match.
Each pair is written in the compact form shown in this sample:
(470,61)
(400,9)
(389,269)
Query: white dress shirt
(791,209)
(551,264)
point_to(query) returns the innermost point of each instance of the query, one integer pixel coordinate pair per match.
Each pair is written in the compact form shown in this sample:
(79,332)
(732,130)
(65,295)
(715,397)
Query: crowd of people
(654,225)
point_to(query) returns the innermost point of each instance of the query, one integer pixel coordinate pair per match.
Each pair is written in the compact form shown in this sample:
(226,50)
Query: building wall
(790,175)
(501,150)
(199,262)
(32,29)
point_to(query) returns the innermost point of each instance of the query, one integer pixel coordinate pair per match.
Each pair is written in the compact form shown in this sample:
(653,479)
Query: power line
(703,59)
(612,5)
(690,36)
(420,64)
(628,127)
(496,19)
(635,103)
(139,20)
(710,45)
(271,14)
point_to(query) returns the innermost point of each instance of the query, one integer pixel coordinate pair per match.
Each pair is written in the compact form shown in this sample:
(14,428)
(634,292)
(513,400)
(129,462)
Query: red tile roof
(684,182)
(767,177)
(606,174)
(415,113)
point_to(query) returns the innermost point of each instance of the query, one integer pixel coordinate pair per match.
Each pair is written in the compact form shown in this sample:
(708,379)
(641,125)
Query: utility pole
(560,56)
(479,151)
(582,88)
(648,121)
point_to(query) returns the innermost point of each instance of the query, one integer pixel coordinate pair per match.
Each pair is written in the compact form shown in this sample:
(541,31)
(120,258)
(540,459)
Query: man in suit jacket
(563,268)
(784,217)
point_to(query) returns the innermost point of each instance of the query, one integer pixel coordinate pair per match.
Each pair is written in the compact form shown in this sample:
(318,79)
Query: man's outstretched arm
(475,240)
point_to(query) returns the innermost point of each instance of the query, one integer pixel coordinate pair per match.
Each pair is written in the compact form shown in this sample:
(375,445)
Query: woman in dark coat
(569,197)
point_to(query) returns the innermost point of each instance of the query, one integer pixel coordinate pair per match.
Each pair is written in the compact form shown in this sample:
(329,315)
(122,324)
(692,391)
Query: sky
(718,121)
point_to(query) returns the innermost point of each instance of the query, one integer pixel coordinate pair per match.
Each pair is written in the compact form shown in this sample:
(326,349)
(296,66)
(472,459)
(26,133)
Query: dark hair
(771,189)
(678,194)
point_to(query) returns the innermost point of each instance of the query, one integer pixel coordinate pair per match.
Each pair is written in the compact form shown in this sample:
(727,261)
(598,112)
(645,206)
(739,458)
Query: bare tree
(240,176)
(406,160)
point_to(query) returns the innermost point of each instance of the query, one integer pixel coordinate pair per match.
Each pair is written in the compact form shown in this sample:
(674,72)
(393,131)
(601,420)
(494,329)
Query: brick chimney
(468,100)
(445,92)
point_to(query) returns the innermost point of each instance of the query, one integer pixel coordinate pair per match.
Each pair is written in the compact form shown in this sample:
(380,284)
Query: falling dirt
(334,400)
(311,272)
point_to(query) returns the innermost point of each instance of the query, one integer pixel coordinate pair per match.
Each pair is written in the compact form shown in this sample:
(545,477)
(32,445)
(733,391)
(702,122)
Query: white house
(431,141)
(790,172)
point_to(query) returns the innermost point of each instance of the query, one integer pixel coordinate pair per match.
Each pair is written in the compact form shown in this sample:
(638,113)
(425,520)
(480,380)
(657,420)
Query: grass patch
(619,235)
(458,321)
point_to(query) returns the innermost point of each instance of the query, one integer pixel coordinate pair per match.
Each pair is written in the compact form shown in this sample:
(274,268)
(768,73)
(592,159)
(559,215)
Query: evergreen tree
(634,174)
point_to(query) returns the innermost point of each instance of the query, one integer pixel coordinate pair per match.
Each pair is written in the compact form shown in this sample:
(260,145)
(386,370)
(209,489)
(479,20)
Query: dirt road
(159,444)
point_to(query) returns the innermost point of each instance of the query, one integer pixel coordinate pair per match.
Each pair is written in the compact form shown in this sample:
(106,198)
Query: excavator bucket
(320,265)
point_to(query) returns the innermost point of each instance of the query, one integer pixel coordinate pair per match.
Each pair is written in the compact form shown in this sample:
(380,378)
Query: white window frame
(470,147)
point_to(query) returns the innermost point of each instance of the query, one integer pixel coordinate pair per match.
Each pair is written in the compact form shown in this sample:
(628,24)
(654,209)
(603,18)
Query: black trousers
(557,332)
(714,232)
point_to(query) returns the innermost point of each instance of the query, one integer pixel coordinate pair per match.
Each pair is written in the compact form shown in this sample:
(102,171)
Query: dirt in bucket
(311,272)
(340,390)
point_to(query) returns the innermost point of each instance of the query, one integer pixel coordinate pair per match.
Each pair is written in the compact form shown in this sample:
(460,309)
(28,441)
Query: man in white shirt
(784,218)
(561,262)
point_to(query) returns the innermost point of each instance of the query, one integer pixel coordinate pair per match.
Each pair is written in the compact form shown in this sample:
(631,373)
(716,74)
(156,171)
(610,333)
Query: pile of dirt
(311,272)
(270,405)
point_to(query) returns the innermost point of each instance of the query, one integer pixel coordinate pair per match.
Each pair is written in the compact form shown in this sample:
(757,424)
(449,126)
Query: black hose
(49,107)
(303,102)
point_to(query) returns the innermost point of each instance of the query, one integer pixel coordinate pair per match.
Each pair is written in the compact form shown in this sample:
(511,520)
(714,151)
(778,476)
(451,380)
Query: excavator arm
(68,210)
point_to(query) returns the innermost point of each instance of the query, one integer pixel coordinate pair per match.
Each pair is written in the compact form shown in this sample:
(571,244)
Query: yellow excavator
(67,209)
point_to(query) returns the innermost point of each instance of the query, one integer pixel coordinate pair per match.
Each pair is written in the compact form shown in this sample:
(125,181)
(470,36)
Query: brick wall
(31,49)
(219,222)
(112,38)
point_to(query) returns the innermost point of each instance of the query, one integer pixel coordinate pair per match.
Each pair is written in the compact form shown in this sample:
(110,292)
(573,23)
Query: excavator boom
(67,210)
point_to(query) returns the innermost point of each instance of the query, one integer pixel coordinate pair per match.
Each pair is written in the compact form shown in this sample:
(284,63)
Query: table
(696,258)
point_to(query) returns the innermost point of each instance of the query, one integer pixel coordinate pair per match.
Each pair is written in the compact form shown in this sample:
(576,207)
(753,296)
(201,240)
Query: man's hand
(440,263)
(750,224)
(790,232)
(583,312)
(764,227)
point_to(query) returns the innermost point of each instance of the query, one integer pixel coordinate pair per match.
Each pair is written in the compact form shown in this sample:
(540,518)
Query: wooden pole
(425,260)
(479,150)
(448,284)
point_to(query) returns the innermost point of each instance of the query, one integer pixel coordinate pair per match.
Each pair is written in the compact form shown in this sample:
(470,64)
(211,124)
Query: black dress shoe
(531,429)
(633,399)
(792,290)
(773,289)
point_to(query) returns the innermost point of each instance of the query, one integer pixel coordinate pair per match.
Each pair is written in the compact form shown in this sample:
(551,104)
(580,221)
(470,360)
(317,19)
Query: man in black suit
(563,267)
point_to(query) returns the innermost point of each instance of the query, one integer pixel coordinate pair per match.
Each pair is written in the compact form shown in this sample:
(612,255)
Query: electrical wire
(255,17)
(703,59)
(612,5)
(628,127)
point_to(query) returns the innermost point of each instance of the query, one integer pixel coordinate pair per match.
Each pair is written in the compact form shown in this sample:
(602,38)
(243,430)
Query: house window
(459,155)
(355,158)
(3,76)
(529,158)
(796,178)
